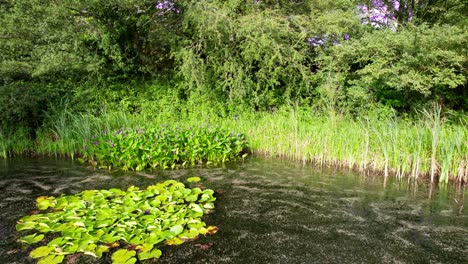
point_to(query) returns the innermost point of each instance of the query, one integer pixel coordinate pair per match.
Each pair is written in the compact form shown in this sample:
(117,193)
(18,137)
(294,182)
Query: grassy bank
(428,147)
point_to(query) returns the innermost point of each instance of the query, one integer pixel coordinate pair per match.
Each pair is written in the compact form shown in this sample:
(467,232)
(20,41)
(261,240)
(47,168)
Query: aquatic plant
(133,222)
(164,148)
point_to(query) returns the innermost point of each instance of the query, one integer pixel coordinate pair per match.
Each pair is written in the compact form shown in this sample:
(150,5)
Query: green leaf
(31,239)
(208,206)
(174,241)
(101,249)
(196,208)
(155,253)
(177,229)
(25,226)
(123,256)
(44,202)
(192,198)
(51,259)
(41,251)
(194,179)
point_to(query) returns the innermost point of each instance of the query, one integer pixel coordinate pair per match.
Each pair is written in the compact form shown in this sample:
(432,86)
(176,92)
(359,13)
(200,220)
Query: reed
(428,147)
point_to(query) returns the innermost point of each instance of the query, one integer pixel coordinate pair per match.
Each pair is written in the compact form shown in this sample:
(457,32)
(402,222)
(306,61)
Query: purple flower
(166,6)
(381,14)
(346,37)
(147,212)
(95,143)
(316,41)
(396,5)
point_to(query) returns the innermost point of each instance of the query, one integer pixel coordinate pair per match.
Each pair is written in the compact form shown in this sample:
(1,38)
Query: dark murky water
(271,212)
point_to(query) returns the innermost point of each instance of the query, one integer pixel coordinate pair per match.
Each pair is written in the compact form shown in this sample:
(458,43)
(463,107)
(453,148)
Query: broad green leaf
(145,247)
(155,253)
(192,198)
(51,259)
(196,208)
(44,202)
(41,251)
(123,256)
(177,229)
(194,179)
(25,226)
(189,234)
(31,239)
(100,250)
(174,241)
(59,241)
(208,206)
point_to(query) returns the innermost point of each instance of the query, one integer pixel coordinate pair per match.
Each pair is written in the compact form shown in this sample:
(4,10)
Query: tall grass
(426,147)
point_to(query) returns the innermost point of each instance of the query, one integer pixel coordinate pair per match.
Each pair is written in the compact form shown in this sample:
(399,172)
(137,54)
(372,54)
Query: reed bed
(428,147)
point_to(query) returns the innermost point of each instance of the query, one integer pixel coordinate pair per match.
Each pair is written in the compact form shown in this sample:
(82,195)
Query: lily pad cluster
(132,224)
(163,148)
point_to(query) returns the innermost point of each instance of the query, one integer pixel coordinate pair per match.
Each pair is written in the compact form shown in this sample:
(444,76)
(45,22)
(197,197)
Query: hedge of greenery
(163,148)
(132,223)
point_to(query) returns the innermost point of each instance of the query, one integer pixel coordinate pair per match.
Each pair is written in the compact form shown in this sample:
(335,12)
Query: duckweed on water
(163,148)
(132,222)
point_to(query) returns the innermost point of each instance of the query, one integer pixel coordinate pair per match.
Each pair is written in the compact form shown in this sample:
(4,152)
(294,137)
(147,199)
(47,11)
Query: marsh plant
(163,148)
(132,223)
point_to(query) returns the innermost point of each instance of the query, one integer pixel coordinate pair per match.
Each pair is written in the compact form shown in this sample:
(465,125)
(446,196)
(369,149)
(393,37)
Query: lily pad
(41,251)
(31,239)
(155,253)
(95,221)
(51,259)
(44,202)
(194,179)
(123,256)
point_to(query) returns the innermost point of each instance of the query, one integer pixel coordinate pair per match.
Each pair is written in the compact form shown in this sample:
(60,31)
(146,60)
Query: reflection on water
(271,212)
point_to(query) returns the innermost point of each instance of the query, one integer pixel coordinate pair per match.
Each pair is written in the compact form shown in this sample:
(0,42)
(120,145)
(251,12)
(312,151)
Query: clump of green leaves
(163,148)
(134,221)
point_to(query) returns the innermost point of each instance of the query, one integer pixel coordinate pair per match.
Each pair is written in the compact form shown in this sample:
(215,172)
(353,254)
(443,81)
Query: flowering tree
(384,14)
(166,6)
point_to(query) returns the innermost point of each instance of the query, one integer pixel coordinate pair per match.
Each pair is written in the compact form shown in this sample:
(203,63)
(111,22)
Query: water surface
(271,211)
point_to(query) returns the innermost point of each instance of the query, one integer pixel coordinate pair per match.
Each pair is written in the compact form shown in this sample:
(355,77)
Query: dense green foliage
(63,62)
(254,53)
(163,148)
(138,221)
(378,143)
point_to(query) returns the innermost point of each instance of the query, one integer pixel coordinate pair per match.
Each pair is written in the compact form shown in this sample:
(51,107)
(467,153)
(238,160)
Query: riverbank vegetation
(378,86)
(163,148)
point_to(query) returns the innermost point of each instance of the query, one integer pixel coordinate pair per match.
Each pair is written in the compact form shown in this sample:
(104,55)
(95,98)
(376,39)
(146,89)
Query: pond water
(271,211)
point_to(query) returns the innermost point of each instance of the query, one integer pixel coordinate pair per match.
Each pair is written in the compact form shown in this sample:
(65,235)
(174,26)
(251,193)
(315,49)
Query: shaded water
(271,212)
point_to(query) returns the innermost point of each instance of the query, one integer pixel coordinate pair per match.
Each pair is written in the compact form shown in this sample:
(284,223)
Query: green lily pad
(177,229)
(194,179)
(95,221)
(44,202)
(123,256)
(51,259)
(31,239)
(25,226)
(41,251)
(155,253)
